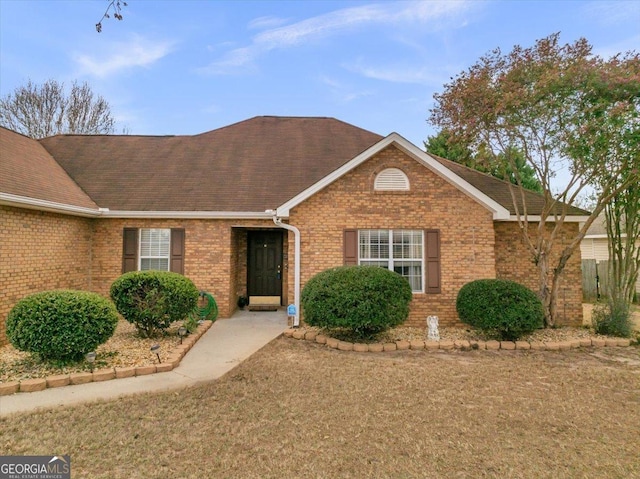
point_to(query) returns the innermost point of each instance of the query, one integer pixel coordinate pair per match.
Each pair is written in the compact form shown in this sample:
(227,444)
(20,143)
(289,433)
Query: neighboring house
(594,249)
(228,208)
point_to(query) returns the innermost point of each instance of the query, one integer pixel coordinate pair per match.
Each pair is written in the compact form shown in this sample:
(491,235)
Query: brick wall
(41,251)
(215,254)
(514,261)
(466,228)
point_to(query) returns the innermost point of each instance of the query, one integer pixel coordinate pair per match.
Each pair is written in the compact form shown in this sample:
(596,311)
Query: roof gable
(498,210)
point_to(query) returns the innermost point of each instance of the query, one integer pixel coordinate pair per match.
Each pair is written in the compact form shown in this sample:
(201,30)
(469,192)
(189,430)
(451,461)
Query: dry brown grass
(298,409)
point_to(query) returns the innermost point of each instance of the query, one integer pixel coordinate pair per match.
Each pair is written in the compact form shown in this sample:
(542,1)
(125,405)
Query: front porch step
(263,307)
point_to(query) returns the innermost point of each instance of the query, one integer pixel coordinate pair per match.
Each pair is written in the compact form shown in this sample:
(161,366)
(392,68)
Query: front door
(265,264)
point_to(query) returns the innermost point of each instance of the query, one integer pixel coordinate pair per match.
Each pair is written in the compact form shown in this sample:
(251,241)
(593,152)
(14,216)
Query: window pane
(412,270)
(374,244)
(161,264)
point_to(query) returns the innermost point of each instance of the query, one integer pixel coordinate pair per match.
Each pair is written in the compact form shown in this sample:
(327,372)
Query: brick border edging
(171,362)
(463,345)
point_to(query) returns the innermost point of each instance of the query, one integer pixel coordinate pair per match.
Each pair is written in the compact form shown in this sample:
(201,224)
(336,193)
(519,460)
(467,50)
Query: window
(397,250)
(391,179)
(154,249)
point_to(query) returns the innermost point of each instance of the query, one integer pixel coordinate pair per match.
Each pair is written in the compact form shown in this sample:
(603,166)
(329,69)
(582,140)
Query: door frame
(278,234)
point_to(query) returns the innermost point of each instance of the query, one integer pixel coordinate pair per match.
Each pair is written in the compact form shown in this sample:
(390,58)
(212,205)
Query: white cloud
(398,74)
(336,22)
(344,93)
(266,22)
(614,13)
(138,52)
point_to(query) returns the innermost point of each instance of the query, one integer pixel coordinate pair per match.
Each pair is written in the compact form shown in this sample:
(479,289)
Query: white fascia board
(51,206)
(205,215)
(499,212)
(550,218)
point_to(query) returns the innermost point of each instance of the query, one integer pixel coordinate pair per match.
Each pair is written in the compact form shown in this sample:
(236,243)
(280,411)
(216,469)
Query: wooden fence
(594,279)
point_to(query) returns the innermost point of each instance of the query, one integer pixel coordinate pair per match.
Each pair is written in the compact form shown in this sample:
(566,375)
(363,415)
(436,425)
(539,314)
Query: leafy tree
(44,110)
(562,107)
(442,145)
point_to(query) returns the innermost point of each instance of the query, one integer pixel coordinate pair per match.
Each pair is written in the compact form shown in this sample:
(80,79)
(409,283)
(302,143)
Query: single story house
(257,208)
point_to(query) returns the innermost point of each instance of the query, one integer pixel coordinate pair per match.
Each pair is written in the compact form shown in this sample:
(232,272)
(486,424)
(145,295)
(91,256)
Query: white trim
(499,211)
(550,218)
(45,205)
(212,215)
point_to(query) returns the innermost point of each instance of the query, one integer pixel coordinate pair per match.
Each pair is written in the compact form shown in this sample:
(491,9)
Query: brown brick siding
(41,251)
(514,261)
(466,228)
(215,254)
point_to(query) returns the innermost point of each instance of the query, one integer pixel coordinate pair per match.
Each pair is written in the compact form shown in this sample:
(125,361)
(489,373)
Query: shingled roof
(249,166)
(28,170)
(499,190)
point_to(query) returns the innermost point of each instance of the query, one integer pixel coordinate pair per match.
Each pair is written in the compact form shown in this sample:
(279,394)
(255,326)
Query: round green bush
(500,306)
(62,324)
(152,300)
(363,299)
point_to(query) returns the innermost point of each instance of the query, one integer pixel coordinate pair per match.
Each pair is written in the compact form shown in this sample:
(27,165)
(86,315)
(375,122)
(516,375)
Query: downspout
(296,271)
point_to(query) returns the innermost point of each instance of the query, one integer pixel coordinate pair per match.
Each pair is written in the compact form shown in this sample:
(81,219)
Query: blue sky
(184,67)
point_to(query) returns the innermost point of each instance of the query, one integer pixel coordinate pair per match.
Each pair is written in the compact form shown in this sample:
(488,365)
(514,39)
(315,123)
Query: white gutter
(210,215)
(296,271)
(52,206)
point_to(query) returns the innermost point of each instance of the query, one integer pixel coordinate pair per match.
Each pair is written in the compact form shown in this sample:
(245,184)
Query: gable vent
(391,179)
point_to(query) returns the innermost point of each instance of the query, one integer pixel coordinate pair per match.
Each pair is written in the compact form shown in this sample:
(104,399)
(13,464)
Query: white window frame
(141,257)
(391,260)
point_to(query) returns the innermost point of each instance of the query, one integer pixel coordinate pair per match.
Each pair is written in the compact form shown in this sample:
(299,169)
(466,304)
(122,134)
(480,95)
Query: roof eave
(27,202)
(209,215)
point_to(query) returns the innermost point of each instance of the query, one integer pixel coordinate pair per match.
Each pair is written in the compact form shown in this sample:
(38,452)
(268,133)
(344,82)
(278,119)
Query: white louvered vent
(391,179)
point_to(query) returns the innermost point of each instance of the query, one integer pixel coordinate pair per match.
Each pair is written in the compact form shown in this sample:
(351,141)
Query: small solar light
(155,349)
(182,332)
(91,358)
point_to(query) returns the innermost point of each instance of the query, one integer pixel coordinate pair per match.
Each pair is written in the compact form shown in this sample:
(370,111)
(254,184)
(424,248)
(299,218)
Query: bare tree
(114,6)
(44,110)
(561,106)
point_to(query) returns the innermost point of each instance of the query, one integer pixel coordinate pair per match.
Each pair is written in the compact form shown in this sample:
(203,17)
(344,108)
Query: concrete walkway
(225,345)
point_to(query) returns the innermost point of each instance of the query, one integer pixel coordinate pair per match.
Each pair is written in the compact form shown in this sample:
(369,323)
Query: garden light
(182,332)
(91,358)
(155,349)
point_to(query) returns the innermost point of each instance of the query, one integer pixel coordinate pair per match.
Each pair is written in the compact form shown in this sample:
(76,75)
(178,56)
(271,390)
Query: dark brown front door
(265,263)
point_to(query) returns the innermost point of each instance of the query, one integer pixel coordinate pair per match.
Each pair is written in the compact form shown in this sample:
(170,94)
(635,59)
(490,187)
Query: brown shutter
(176,263)
(432,261)
(350,246)
(129,250)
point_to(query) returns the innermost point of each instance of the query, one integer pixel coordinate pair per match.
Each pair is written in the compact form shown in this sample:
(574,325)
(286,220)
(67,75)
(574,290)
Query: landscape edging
(462,345)
(172,361)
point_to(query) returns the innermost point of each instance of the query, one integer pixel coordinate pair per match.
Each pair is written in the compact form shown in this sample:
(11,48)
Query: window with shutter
(153,249)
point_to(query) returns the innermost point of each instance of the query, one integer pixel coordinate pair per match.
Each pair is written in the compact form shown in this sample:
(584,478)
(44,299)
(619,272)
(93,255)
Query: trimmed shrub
(500,306)
(363,299)
(612,319)
(152,300)
(61,325)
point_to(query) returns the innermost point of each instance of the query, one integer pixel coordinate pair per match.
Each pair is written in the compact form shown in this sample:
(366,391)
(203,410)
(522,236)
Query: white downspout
(296,271)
